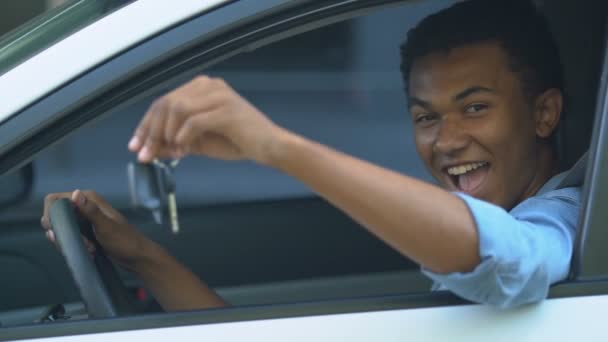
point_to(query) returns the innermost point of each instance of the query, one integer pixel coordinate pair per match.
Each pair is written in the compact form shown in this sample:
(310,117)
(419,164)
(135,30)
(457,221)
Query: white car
(75,80)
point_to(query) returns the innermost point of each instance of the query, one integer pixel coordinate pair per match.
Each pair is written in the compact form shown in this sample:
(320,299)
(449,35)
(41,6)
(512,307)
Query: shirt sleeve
(522,252)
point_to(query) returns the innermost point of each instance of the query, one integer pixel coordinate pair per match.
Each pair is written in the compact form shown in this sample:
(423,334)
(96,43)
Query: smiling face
(475,128)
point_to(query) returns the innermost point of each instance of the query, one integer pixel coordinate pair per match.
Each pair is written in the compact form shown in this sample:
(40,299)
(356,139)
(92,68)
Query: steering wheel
(97,280)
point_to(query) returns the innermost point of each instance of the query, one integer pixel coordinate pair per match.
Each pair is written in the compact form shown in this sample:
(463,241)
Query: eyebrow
(470,91)
(414,101)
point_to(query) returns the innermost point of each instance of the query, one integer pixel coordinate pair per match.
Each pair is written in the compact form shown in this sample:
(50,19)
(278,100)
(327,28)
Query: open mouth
(468,177)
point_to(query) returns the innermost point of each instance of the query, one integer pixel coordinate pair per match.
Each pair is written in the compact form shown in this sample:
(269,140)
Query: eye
(475,108)
(425,119)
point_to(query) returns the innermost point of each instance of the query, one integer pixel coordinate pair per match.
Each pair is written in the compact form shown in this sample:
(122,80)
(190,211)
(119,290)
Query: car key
(152,187)
(145,189)
(170,191)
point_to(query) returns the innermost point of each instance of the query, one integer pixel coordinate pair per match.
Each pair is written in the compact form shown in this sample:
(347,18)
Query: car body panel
(555,320)
(64,60)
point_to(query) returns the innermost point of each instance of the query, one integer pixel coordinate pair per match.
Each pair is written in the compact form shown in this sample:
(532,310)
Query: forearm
(173,285)
(420,220)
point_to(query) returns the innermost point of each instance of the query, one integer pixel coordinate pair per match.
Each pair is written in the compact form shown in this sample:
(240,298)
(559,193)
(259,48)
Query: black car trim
(591,254)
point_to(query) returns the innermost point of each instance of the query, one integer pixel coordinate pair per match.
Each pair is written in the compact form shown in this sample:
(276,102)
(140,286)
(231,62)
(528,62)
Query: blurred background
(243,223)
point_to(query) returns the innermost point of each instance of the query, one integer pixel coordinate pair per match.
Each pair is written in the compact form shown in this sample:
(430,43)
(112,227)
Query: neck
(547,167)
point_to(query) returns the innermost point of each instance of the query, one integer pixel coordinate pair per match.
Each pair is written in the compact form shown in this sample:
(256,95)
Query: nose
(451,137)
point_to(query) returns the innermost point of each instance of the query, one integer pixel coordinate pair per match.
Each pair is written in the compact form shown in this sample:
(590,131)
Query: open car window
(251,232)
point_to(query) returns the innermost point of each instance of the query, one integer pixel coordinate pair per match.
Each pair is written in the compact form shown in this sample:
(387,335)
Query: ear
(548,112)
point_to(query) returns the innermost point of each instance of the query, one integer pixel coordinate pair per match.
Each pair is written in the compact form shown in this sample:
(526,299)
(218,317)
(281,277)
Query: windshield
(50,27)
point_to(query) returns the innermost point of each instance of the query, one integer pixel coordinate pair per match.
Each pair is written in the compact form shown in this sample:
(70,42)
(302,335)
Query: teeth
(462,169)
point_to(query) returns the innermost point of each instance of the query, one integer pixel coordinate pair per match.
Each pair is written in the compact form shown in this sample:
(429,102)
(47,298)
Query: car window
(239,220)
(51,26)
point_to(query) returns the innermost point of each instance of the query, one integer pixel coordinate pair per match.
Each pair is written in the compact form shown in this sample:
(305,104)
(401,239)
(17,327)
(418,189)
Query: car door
(240,26)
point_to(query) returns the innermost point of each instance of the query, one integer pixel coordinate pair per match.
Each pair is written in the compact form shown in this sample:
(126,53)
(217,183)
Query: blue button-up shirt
(522,252)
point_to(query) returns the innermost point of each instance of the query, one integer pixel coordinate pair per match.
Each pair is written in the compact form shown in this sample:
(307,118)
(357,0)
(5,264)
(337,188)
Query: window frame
(194,45)
(592,236)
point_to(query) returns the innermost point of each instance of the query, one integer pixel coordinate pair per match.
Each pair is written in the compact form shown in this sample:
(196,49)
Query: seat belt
(576,175)
(571,178)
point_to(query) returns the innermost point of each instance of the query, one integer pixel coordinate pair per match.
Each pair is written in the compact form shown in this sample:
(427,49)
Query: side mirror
(16,186)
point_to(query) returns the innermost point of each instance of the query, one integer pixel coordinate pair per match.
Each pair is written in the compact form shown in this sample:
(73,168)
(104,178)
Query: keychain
(170,191)
(152,187)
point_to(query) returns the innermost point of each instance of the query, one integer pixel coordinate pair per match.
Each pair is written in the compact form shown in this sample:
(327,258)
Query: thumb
(90,209)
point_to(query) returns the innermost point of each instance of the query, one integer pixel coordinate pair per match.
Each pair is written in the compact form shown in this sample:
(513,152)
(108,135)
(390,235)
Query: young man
(484,85)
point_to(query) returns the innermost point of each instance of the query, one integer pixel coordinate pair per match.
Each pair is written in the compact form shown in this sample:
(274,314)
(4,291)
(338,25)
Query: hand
(204,117)
(121,241)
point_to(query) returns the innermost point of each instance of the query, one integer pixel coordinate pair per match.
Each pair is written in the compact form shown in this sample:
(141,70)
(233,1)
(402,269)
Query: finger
(48,202)
(164,151)
(51,236)
(178,107)
(207,114)
(135,143)
(139,136)
(90,210)
(44,224)
(176,115)
(170,152)
(104,206)
(155,141)
(89,245)
(141,131)
(192,130)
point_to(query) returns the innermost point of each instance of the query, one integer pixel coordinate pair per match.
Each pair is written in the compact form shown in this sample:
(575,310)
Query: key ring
(172,164)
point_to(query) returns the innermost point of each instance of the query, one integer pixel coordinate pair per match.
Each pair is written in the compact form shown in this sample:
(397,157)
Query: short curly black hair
(517,25)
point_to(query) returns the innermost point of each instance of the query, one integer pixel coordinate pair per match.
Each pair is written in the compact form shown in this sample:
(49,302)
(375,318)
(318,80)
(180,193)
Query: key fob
(149,186)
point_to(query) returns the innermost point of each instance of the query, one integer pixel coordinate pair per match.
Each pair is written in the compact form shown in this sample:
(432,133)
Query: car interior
(255,235)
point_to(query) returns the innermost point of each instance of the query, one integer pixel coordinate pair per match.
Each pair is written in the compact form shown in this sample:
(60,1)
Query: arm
(172,284)
(423,222)
(206,117)
(523,252)
(431,226)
